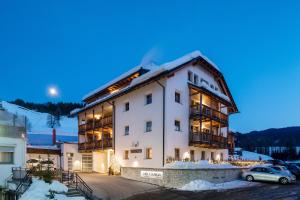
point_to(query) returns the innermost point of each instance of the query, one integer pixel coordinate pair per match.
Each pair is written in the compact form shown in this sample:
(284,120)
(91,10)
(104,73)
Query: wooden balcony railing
(94,145)
(98,124)
(208,139)
(208,112)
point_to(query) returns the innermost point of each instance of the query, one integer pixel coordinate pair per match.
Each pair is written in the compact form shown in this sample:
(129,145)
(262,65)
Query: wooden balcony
(203,111)
(99,123)
(96,145)
(208,140)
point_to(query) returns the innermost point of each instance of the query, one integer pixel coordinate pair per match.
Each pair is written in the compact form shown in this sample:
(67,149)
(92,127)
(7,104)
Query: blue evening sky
(79,45)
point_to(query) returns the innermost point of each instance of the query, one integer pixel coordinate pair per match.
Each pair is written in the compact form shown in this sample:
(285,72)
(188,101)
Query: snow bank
(58,187)
(39,190)
(203,164)
(205,185)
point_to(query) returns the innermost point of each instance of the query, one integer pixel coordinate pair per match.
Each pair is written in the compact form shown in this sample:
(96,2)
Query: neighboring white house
(12,144)
(153,114)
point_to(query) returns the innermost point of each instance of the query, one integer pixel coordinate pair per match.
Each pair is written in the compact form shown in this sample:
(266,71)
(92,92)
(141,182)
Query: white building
(153,114)
(12,144)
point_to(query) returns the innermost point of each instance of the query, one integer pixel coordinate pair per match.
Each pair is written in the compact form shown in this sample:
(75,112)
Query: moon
(53,91)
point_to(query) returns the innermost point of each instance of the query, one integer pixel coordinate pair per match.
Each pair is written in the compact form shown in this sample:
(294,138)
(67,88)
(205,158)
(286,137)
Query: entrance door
(87,163)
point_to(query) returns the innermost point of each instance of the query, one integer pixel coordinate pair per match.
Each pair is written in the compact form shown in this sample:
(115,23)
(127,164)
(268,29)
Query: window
(202,155)
(126,130)
(192,155)
(126,155)
(177,125)
(190,76)
(212,86)
(126,106)
(177,97)
(148,153)
(196,79)
(177,154)
(212,155)
(7,155)
(222,157)
(148,126)
(148,99)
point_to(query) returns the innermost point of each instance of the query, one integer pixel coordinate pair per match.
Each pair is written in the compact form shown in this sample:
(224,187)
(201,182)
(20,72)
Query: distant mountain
(289,136)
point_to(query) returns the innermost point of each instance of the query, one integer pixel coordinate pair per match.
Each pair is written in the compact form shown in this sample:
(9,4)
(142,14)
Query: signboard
(136,151)
(152,174)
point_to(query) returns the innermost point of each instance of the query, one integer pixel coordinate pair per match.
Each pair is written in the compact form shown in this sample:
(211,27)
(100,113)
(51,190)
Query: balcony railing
(98,144)
(208,139)
(98,124)
(208,112)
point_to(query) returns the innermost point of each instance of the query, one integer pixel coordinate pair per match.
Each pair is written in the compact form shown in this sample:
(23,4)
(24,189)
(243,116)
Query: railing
(98,144)
(208,112)
(208,139)
(98,124)
(24,184)
(73,179)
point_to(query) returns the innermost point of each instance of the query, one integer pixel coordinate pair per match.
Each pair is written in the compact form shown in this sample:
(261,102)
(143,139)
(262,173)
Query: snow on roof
(54,147)
(38,121)
(153,67)
(122,76)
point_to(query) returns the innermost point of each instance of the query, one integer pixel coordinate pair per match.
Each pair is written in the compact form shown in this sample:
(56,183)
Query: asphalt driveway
(115,187)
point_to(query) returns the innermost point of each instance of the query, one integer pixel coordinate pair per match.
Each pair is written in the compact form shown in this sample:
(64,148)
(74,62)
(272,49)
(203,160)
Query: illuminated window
(126,155)
(148,153)
(177,154)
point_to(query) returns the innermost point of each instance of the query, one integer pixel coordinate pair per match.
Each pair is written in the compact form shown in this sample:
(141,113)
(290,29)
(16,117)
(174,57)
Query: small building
(152,115)
(12,143)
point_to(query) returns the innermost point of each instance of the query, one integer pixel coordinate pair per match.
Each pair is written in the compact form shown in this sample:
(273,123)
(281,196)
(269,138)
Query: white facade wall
(77,157)
(19,145)
(136,119)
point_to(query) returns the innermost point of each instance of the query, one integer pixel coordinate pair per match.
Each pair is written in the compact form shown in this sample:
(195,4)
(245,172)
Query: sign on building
(152,174)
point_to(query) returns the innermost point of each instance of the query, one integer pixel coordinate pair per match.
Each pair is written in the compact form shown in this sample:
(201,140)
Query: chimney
(53,136)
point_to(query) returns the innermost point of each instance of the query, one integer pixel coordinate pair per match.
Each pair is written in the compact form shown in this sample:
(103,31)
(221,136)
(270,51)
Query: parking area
(115,187)
(262,191)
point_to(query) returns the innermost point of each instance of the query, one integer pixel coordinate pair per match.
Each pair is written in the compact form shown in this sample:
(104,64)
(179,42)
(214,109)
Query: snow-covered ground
(39,190)
(38,122)
(203,164)
(248,155)
(198,185)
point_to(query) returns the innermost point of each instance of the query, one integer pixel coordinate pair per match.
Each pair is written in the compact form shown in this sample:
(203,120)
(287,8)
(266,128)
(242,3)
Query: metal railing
(23,185)
(73,179)
(98,144)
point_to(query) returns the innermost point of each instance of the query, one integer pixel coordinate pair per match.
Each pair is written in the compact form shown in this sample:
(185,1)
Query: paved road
(263,191)
(115,187)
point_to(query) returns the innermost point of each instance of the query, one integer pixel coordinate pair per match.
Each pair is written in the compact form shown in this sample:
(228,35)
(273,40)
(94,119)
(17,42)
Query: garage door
(87,163)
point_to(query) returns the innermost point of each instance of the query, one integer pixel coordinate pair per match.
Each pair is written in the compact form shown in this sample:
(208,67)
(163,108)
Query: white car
(281,168)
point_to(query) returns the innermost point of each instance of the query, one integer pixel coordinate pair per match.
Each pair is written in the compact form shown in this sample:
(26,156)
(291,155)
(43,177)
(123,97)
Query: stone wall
(176,178)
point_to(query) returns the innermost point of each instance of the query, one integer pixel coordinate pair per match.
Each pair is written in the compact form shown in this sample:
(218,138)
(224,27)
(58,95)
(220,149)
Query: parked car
(268,174)
(280,168)
(275,162)
(294,169)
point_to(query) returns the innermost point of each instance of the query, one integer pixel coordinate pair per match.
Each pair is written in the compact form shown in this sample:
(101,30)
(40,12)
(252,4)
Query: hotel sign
(136,151)
(152,174)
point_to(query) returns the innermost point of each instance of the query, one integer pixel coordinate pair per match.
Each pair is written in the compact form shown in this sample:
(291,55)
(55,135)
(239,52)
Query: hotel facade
(153,115)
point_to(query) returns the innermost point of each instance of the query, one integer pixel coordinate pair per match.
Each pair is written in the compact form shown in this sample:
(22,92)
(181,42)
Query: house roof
(155,72)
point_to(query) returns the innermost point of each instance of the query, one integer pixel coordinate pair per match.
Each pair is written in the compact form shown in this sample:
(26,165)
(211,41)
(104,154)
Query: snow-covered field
(198,185)
(38,123)
(203,164)
(248,155)
(40,190)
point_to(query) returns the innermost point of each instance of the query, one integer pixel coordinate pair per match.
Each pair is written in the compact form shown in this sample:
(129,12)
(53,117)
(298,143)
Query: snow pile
(39,190)
(205,185)
(58,187)
(248,155)
(203,164)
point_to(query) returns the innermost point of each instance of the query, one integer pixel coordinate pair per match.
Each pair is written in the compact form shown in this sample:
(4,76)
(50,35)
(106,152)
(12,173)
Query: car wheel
(249,178)
(283,181)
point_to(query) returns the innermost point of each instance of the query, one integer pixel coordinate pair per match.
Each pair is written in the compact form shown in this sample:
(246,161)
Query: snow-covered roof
(153,68)
(54,147)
